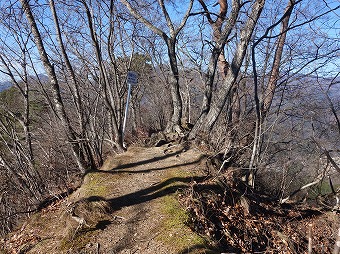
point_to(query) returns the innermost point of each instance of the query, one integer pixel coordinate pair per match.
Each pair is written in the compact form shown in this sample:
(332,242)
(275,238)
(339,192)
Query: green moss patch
(176,231)
(97,184)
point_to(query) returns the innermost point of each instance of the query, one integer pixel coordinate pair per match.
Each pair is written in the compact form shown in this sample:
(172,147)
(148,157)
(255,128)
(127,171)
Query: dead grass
(248,223)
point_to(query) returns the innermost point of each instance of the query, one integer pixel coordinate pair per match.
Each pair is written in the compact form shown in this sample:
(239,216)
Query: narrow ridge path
(128,206)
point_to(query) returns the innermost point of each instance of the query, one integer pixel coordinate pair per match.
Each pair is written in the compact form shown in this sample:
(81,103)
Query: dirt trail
(139,189)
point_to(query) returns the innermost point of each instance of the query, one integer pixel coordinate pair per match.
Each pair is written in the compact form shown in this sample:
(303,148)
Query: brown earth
(128,206)
(131,206)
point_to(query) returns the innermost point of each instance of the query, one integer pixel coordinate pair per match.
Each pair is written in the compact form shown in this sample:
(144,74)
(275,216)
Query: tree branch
(167,17)
(139,17)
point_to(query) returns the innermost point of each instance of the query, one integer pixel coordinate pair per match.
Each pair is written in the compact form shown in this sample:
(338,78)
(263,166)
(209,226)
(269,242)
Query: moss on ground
(176,231)
(98,184)
(78,240)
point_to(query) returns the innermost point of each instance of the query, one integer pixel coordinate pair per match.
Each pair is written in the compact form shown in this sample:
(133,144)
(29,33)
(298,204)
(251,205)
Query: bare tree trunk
(110,45)
(21,166)
(263,107)
(74,87)
(219,38)
(58,103)
(109,101)
(275,72)
(171,40)
(33,179)
(24,121)
(206,121)
(175,122)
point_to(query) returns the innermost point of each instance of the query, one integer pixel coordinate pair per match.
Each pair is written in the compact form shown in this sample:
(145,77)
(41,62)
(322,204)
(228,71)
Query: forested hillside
(254,85)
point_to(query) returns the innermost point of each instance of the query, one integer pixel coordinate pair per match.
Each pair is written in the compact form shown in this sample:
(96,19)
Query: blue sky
(330,26)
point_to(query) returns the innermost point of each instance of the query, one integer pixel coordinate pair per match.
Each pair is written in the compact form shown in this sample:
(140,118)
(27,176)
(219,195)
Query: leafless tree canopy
(257,81)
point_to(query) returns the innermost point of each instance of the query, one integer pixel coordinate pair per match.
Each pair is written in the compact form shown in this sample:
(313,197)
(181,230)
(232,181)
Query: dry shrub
(243,221)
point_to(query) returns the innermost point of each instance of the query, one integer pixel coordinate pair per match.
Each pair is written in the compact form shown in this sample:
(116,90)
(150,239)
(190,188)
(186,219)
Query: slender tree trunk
(74,88)
(109,101)
(33,179)
(263,107)
(25,120)
(116,73)
(58,103)
(210,77)
(275,72)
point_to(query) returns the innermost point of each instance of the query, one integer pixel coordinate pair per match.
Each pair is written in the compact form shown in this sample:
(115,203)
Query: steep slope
(128,206)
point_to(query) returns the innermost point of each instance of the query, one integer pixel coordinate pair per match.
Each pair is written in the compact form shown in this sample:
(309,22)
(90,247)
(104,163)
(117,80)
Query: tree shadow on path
(147,161)
(161,189)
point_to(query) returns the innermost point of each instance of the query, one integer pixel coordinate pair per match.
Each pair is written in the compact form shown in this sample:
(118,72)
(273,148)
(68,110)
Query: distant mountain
(5,85)
(42,77)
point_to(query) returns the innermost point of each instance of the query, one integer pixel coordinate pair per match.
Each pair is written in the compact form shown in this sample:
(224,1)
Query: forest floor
(129,206)
(149,200)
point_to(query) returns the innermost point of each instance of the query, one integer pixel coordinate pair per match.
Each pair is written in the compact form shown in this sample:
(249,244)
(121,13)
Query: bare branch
(167,17)
(139,17)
